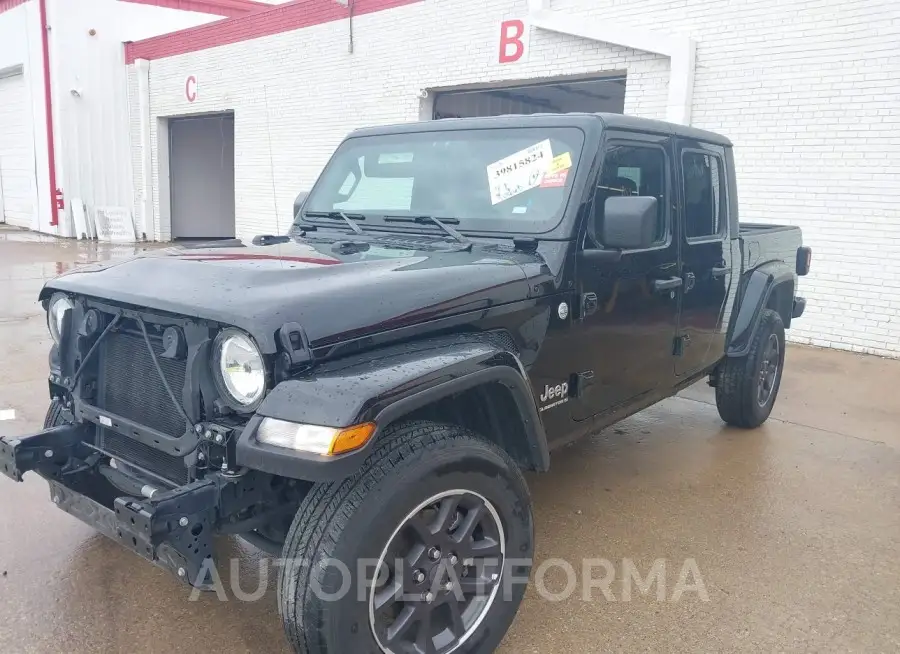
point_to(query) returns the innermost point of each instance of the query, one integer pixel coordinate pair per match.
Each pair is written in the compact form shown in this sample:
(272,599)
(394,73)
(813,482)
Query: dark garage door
(201,176)
(606,94)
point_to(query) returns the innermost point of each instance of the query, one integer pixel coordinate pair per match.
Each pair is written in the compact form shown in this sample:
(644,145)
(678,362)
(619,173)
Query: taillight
(804,260)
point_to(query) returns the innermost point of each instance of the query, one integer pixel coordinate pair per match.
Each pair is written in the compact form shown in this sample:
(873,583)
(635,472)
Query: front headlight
(240,367)
(56,311)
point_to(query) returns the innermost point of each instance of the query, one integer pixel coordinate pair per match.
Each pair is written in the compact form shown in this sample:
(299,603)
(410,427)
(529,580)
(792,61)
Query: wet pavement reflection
(793,528)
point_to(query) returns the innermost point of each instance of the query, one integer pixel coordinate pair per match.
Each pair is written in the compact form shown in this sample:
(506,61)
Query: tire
(738,393)
(359,518)
(54,415)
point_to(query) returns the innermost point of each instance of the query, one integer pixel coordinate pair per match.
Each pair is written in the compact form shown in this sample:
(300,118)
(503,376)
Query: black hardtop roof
(614,121)
(621,121)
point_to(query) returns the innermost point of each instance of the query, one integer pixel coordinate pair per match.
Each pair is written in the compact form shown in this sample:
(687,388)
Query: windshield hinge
(526,243)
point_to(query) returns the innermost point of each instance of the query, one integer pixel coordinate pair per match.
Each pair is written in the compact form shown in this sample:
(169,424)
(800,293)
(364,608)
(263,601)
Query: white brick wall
(809,91)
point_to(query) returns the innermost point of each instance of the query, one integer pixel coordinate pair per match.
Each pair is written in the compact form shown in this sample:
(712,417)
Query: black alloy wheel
(438,575)
(769,366)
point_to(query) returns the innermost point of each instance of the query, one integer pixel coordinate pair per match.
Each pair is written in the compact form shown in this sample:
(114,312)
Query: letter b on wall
(513,41)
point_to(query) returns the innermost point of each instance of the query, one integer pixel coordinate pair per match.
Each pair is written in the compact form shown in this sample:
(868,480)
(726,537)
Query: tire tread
(325,513)
(54,415)
(736,382)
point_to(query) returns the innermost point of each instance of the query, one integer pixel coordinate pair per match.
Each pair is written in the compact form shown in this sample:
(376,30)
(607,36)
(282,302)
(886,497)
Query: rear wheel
(747,386)
(425,551)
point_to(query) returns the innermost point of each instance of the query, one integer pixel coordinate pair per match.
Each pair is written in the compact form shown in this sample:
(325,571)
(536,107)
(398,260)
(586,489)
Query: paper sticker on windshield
(519,172)
(560,162)
(555,180)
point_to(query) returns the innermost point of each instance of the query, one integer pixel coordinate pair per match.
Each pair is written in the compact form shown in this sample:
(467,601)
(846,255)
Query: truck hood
(334,296)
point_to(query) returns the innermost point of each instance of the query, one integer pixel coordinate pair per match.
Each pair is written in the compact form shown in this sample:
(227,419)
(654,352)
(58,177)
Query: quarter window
(704,195)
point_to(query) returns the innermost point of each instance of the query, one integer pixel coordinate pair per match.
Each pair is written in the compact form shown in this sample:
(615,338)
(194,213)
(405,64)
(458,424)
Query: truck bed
(761,243)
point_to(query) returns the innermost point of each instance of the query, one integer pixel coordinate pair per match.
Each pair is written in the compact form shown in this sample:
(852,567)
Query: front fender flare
(757,287)
(383,390)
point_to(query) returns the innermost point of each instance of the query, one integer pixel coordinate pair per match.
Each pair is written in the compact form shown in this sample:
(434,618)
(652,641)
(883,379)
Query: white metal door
(16,154)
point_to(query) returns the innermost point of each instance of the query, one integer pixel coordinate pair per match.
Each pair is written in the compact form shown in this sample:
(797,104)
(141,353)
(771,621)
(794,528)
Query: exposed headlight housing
(56,312)
(240,369)
(315,439)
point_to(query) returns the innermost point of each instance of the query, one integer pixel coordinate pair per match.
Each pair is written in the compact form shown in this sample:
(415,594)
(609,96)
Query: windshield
(516,179)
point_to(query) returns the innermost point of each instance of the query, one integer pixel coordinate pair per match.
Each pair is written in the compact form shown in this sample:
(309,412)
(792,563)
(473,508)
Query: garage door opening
(17,167)
(201,176)
(592,95)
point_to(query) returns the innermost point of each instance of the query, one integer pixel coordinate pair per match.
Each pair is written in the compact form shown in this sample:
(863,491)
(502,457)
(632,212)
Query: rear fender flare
(757,287)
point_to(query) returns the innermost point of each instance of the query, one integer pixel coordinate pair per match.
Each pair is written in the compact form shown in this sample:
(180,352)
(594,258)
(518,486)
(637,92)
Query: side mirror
(629,222)
(299,200)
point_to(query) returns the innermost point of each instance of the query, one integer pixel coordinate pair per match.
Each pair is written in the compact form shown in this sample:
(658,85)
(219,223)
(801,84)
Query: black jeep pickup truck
(454,300)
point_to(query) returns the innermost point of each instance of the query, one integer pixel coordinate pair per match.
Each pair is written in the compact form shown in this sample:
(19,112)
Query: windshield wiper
(440,222)
(338,215)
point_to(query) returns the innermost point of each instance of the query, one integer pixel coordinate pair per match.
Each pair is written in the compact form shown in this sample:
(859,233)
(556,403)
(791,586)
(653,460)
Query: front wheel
(426,550)
(747,386)
(55,415)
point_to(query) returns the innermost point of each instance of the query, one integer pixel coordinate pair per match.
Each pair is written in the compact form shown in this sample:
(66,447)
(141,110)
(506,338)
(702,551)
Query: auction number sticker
(519,172)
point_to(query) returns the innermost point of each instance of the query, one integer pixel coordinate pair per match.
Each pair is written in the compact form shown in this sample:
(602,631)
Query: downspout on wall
(146,223)
(48,107)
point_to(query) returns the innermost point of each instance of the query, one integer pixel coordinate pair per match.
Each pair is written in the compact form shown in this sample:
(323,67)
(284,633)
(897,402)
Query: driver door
(630,307)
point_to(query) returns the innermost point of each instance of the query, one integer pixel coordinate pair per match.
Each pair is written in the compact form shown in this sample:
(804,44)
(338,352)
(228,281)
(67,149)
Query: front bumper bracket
(52,446)
(173,529)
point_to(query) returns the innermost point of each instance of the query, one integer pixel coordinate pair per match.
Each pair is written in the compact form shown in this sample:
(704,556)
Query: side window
(632,170)
(704,194)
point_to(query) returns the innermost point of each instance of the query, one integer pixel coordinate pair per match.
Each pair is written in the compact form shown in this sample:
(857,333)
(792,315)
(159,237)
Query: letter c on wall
(190,88)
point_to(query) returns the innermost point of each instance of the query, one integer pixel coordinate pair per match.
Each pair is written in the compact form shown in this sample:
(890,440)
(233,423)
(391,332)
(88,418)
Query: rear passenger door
(706,255)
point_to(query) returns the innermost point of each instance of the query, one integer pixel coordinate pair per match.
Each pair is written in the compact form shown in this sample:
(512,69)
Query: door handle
(670,284)
(721,271)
